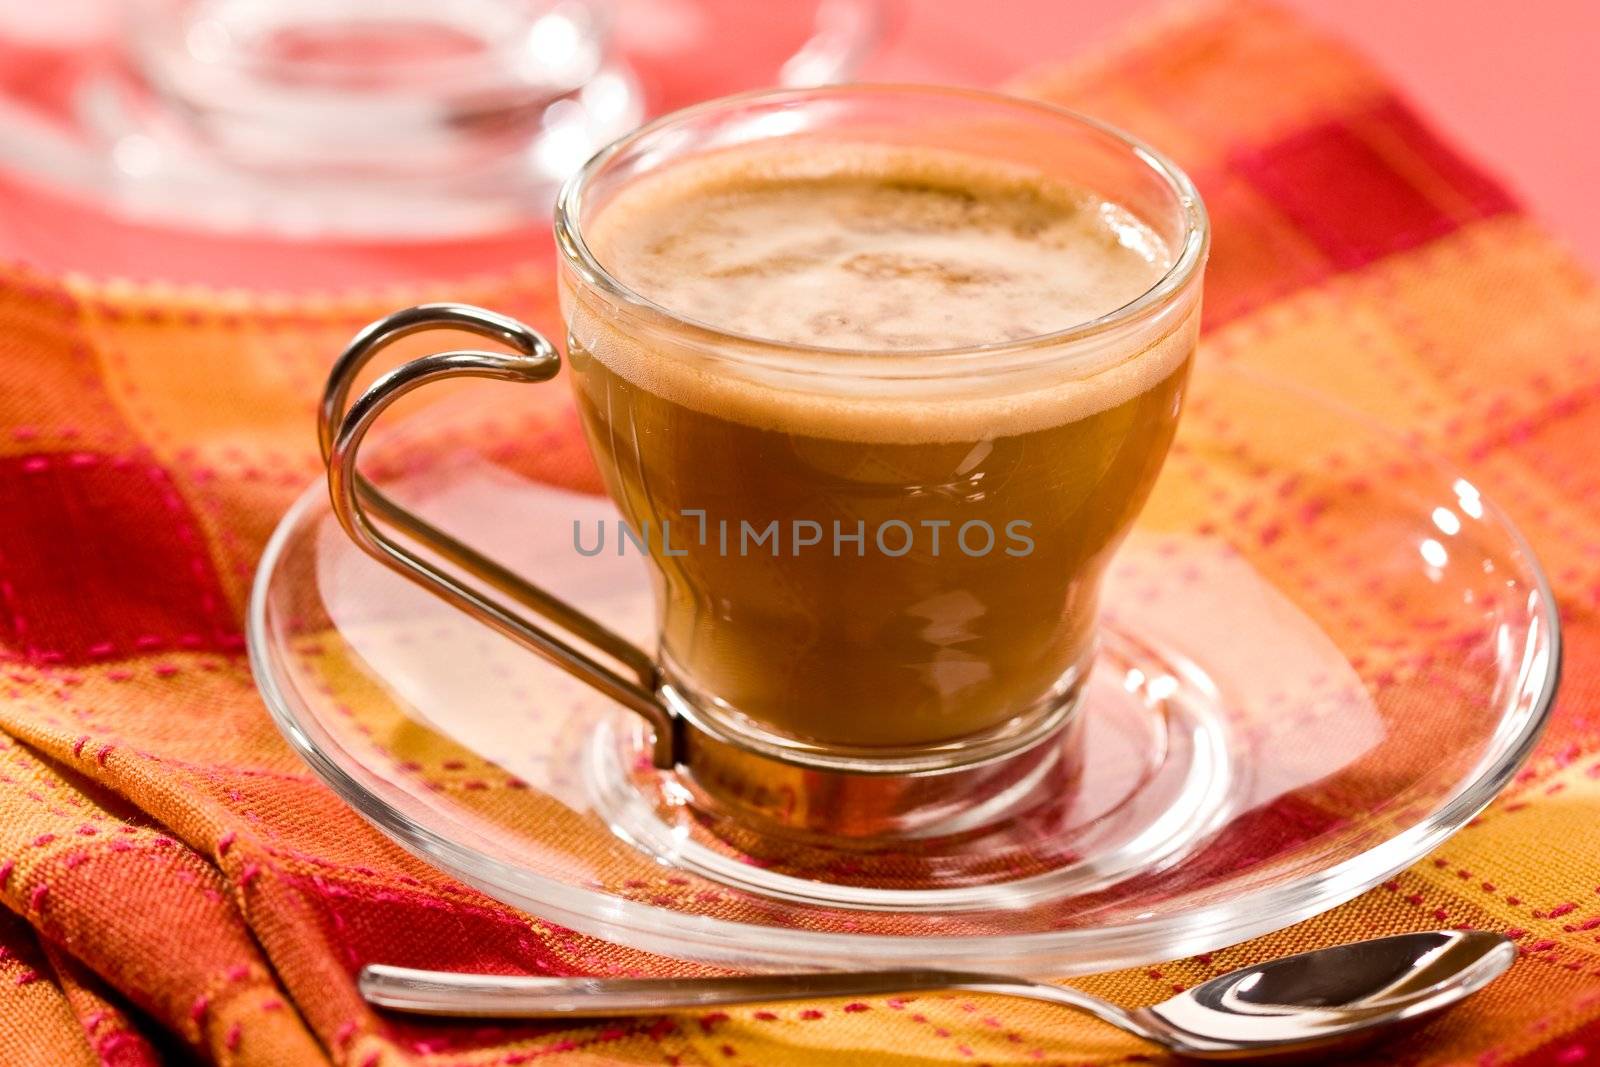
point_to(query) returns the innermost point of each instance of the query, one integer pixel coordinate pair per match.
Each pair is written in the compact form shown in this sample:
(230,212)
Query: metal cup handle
(356,503)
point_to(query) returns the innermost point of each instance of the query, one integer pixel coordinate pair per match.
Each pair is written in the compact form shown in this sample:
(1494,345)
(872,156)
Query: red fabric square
(1255,258)
(412,926)
(100,558)
(1369,185)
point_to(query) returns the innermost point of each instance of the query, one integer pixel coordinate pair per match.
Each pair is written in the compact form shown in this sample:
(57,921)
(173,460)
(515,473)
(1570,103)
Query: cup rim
(907,362)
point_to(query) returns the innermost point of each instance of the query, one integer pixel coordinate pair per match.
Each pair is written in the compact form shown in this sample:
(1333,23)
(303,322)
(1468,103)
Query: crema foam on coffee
(881,251)
(875,249)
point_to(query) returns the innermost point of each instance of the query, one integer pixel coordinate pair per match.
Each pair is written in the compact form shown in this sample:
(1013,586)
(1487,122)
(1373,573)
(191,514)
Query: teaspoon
(1313,1002)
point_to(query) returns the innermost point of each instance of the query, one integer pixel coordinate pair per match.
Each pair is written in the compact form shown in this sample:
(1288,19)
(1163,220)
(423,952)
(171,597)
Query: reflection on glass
(1433,553)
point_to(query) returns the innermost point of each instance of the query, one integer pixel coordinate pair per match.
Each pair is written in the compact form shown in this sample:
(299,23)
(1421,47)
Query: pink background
(1514,84)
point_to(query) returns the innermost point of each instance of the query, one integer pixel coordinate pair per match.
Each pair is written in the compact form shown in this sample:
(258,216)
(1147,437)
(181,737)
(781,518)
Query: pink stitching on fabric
(109,1045)
(105,751)
(36,899)
(27,977)
(231,1040)
(77,746)
(484,905)
(197,1010)
(247,874)
(225,842)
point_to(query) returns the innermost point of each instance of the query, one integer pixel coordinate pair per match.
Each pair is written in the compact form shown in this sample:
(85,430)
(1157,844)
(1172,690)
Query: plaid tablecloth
(173,876)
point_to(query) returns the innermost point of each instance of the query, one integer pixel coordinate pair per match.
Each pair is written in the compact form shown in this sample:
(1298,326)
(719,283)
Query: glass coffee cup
(878,378)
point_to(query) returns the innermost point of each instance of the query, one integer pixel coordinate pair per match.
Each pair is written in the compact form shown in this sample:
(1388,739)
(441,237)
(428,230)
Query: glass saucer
(1322,655)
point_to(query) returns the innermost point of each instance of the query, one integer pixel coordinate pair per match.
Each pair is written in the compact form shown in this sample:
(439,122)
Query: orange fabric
(162,850)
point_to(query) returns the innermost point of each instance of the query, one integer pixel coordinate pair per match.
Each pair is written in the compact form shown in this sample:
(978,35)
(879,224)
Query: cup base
(1128,777)
(855,802)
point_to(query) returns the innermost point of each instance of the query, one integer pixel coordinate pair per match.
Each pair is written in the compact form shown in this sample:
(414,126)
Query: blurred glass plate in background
(411,119)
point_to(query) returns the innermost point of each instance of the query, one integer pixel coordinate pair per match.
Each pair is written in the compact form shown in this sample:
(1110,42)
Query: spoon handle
(507,996)
(496,996)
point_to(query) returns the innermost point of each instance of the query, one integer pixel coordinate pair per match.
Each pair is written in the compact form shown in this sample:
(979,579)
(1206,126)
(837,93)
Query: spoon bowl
(1331,997)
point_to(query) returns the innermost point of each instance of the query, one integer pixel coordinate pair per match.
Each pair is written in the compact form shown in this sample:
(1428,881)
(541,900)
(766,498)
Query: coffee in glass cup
(879,378)
(845,560)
